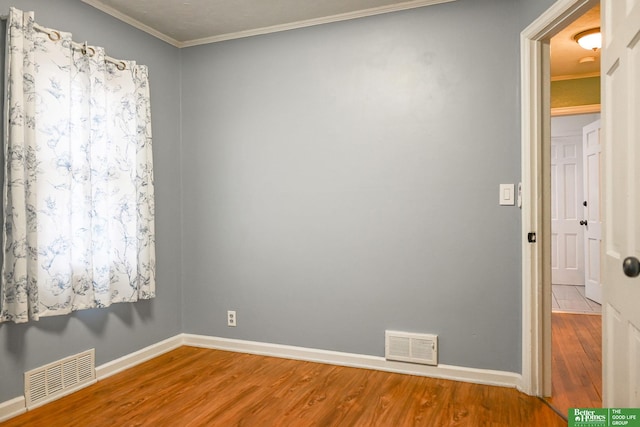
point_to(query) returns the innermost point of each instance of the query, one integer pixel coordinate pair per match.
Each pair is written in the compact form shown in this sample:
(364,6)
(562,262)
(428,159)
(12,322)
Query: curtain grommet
(54,35)
(86,49)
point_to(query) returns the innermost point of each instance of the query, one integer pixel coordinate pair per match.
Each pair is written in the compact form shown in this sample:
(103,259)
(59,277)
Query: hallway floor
(576,362)
(571,299)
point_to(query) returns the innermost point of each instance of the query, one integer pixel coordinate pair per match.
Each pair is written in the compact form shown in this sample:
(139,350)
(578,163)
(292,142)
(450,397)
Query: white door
(592,218)
(621,192)
(567,248)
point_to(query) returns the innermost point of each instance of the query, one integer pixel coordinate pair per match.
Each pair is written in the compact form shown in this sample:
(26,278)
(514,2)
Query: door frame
(536,197)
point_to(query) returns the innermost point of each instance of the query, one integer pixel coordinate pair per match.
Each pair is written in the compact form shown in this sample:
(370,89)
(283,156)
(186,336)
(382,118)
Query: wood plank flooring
(200,387)
(576,361)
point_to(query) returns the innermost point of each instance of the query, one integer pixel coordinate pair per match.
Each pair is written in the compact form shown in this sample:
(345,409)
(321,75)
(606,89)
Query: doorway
(536,177)
(574,192)
(576,322)
(574,156)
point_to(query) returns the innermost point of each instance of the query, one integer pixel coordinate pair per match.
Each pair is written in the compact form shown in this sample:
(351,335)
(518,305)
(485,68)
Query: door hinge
(531,237)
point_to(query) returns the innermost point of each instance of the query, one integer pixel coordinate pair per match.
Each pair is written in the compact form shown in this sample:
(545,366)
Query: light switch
(507,194)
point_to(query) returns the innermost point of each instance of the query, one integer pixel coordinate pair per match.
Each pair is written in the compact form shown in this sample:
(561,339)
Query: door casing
(535,163)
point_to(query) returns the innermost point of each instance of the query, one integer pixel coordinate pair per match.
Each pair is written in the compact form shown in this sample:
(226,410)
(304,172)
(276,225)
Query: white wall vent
(59,378)
(408,347)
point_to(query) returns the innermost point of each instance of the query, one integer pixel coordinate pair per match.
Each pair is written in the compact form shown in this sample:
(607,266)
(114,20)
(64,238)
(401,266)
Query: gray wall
(123,328)
(342,180)
(336,181)
(531,9)
(563,125)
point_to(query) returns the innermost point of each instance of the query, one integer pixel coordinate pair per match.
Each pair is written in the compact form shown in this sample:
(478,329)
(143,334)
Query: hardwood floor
(200,387)
(576,361)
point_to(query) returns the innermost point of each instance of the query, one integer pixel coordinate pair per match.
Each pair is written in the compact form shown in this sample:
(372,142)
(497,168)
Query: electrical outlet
(231,318)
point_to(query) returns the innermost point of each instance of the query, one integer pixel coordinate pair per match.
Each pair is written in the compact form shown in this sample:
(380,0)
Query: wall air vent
(59,378)
(408,347)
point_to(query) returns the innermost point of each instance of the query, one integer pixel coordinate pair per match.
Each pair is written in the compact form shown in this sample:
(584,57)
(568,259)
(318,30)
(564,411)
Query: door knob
(583,222)
(631,266)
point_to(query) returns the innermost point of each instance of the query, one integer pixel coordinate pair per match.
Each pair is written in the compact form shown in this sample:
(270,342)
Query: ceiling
(184,23)
(566,53)
(192,22)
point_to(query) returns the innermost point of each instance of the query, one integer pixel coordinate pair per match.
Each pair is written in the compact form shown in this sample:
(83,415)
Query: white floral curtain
(78,185)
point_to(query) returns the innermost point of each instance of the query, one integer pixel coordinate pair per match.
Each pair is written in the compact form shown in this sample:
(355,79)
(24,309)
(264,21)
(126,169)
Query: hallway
(571,299)
(576,361)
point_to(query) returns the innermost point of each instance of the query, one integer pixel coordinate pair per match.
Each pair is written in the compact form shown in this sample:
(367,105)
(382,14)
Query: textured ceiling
(191,22)
(566,53)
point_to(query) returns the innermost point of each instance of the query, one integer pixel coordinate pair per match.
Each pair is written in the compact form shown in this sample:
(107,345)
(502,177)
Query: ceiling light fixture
(589,39)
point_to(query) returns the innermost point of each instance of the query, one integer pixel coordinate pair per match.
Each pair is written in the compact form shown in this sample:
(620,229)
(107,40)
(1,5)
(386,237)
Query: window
(78,188)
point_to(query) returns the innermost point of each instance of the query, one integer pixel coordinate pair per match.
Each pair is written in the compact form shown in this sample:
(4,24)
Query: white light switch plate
(507,194)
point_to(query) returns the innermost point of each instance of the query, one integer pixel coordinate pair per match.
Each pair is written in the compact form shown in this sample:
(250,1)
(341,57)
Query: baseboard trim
(61,395)
(130,360)
(12,408)
(449,372)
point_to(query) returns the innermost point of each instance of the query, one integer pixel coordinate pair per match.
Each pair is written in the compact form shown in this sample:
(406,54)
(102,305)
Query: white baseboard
(12,408)
(61,395)
(17,406)
(449,372)
(130,360)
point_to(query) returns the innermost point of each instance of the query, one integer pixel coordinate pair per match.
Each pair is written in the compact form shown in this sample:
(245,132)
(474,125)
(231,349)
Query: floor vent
(414,348)
(49,382)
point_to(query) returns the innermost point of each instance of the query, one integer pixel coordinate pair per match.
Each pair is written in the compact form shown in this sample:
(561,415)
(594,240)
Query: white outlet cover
(231,318)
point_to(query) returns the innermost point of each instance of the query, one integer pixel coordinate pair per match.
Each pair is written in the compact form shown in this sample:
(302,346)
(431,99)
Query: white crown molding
(265,30)
(577,109)
(317,21)
(133,22)
(575,76)
(448,372)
